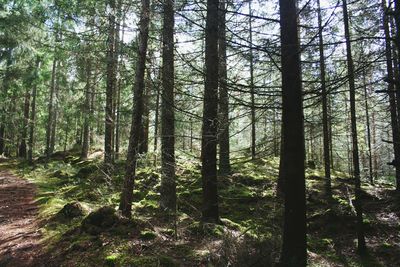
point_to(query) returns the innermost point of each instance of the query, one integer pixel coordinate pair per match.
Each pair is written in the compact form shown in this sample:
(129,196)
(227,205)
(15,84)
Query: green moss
(149,261)
(112,260)
(148,235)
(206,229)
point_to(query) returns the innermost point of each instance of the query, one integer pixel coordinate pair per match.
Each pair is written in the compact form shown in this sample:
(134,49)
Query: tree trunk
(87,109)
(362,249)
(33,113)
(168,184)
(22,148)
(119,88)
(252,92)
(110,88)
(210,211)
(144,135)
(137,115)
(55,110)
(325,120)
(156,119)
(392,97)
(223,138)
(3,110)
(50,118)
(294,246)
(368,126)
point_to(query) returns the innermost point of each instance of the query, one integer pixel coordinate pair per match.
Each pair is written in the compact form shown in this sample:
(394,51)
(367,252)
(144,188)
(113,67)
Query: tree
(210,211)
(252,92)
(294,246)
(168,186)
(110,87)
(87,108)
(33,111)
(325,120)
(223,137)
(137,114)
(353,120)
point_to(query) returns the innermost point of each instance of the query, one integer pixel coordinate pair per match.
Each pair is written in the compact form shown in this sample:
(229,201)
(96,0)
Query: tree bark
(87,109)
(23,146)
(362,249)
(294,245)
(368,126)
(137,115)
(110,88)
(168,184)
(33,113)
(210,212)
(252,92)
(392,97)
(3,109)
(223,138)
(325,119)
(50,118)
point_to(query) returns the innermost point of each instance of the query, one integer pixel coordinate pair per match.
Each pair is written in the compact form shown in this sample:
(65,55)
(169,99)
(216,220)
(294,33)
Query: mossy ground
(251,216)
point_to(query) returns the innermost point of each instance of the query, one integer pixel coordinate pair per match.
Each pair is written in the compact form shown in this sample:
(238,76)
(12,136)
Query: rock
(100,220)
(85,171)
(71,210)
(147,235)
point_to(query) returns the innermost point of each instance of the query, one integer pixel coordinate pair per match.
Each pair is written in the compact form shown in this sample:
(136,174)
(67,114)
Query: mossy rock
(206,229)
(148,235)
(85,171)
(100,220)
(71,210)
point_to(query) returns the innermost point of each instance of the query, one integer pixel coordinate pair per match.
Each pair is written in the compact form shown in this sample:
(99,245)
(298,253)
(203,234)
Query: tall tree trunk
(392,97)
(116,54)
(32,121)
(168,184)
(50,118)
(137,115)
(144,135)
(223,138)
(252,91)
(325,120)
(156,118)
(22,147)
(375,156)
(110,88)
(294,245)
(362,249)
(87,109)
(368,126)
(210,211)
(3,110)
(55,110)
(119,88)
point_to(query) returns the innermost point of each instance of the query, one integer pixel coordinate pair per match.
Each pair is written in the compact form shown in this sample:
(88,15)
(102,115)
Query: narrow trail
(19,234)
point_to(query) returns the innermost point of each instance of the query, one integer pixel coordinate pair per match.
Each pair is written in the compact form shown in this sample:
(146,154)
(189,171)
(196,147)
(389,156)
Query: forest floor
(20,235)
(80,227)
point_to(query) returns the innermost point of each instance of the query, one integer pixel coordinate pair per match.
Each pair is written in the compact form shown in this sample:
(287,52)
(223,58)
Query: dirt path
(19,234)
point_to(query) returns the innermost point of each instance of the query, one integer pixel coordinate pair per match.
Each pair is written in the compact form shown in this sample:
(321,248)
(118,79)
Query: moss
(206,229)
(231,225)
(100,220)
(112,260)
(148,235)
(150,261)
(71,210)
